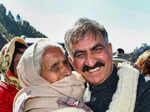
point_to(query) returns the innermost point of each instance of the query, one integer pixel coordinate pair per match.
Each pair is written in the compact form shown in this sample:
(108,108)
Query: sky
(127,21)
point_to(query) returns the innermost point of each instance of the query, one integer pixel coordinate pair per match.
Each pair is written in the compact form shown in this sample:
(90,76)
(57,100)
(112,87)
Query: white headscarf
(39,92)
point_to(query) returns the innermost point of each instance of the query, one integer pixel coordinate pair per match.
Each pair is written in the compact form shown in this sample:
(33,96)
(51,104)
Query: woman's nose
(66,70)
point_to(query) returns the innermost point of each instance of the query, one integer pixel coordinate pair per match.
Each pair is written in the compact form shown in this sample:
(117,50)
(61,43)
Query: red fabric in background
(7,94)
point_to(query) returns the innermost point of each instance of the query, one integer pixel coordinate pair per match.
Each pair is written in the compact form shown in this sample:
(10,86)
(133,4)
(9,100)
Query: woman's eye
(54,68)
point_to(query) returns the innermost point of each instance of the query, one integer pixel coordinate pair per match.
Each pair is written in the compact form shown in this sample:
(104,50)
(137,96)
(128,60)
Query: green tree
(10,15)
(2,9)
(16,27)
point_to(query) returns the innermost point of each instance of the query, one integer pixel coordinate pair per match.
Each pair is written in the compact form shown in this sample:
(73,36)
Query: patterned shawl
(6,56)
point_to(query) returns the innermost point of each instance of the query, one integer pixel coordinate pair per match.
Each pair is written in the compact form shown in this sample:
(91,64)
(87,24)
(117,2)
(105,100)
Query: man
(120,52)
(120,56)
(112,89)
(9,58)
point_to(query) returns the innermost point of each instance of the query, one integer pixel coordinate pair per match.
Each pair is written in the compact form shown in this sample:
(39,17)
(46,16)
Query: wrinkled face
(16,60)
(92,58)
(54,65)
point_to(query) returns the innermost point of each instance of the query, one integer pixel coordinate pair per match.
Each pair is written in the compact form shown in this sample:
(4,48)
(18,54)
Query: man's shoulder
(143,83)
(144,80)
(143,94)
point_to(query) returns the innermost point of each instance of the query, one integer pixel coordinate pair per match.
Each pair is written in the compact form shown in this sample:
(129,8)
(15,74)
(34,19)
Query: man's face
(54,65)
(16,60)
(92,58)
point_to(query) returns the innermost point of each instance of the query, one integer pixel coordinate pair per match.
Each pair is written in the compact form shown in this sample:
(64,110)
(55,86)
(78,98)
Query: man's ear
(110,48)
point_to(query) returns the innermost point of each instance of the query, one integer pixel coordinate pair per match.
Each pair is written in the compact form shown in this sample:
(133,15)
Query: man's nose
(90,60)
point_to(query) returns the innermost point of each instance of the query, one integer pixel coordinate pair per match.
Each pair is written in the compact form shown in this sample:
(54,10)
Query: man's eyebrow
(77,51)
(97,45)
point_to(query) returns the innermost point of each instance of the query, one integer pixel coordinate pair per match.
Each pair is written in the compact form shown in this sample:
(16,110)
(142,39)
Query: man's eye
(80,55)
(98,49)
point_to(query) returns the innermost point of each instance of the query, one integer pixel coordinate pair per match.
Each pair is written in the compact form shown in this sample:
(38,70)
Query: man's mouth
(94,69)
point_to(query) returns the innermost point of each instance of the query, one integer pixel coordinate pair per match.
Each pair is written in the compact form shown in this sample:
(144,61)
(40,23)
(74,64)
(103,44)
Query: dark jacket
(101,95)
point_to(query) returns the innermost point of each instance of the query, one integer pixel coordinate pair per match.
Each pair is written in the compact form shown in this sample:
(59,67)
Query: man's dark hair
(120,50)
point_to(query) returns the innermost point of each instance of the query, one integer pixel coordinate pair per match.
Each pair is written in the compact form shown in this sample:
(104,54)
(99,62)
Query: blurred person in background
(120,56)
(9,85)
(143,63)
(120,52)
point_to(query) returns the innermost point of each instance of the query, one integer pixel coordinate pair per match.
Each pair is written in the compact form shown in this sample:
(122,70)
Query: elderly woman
(143,63)
(9,86)
(46,77)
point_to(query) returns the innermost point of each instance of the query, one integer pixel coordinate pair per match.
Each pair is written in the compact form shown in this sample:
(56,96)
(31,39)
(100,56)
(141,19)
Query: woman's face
(16,60)
(54,65)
